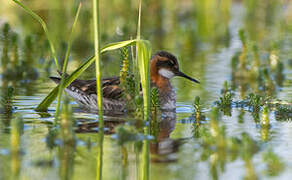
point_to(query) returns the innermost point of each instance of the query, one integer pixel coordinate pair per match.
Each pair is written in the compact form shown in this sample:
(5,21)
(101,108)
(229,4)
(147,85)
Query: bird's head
(165,64)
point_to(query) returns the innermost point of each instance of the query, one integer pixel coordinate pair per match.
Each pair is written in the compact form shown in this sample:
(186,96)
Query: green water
(204,37)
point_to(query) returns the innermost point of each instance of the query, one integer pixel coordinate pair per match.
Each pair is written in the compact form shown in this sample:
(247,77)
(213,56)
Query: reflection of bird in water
(163,66)
(163,148)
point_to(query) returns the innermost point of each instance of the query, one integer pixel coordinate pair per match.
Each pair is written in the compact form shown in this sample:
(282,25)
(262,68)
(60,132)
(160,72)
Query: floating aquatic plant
(198,117)
(226,99)
(125,67)
(265,122)
(198,108)
(283,112)
(127,81)
(155,102)
(255,101)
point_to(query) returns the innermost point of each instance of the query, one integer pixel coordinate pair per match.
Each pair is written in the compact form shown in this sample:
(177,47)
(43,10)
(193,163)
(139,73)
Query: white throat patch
(166,73)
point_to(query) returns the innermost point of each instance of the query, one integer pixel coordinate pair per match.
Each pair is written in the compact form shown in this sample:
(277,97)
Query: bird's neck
(167,96)
(162,83)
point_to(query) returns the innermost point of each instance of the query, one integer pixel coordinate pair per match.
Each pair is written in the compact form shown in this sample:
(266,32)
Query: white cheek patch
(166,73)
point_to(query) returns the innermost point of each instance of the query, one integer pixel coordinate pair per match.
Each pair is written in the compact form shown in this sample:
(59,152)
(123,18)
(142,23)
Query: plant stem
(143,54)
(64,68)
(135,64)
(98,86)
(145,156)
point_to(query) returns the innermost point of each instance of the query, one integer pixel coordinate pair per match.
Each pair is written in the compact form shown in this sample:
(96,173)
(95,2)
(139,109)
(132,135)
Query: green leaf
(117,45)
(144,54)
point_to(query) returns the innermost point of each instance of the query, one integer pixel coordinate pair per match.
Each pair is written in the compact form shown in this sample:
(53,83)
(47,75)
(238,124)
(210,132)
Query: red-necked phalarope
(163,66)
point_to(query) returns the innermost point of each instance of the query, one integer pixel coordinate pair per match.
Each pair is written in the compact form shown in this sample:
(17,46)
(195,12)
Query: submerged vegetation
(235,123)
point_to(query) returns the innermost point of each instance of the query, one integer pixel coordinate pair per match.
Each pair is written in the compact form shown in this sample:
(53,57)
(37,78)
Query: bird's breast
(167,99)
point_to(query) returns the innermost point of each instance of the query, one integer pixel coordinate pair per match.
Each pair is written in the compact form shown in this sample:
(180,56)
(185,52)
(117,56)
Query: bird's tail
(57,79)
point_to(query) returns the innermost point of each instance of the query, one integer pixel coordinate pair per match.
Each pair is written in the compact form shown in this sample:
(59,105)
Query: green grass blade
(65,64)
(117,45)
(135,61)
(44,26)
(139,21)
(144,55)
(96,22)
(43,106)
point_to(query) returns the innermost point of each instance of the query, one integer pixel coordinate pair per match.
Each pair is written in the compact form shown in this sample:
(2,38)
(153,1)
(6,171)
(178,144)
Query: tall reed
(135,60)
(143,54)
(96,21)
(65,64)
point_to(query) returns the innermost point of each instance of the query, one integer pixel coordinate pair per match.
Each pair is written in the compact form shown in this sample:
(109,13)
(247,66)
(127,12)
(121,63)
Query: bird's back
(84,93)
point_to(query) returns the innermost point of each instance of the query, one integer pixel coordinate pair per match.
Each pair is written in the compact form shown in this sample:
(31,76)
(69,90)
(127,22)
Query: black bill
(181,74)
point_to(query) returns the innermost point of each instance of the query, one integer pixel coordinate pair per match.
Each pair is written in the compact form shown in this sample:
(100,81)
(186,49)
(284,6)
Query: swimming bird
(163,67)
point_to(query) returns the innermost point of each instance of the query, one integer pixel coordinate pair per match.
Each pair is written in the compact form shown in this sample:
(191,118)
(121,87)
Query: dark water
(180,147)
